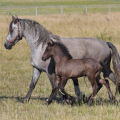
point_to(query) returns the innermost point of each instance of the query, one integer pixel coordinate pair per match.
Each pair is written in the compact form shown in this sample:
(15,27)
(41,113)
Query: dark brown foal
(66,67)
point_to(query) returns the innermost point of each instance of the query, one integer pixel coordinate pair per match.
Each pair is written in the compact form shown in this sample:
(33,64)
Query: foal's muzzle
(43,58)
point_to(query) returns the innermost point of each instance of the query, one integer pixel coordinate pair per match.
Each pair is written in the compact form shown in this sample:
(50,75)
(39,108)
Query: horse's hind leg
(107,72)
(80,95)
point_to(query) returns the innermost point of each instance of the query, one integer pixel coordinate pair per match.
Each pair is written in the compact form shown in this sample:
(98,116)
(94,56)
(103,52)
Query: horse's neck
(31,37)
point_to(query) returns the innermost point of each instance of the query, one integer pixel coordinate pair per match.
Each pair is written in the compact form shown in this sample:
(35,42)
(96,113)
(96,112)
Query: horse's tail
(116,65)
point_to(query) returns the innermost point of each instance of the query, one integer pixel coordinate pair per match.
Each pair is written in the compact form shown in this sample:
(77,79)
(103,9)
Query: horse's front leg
(80,95)
(57,81)
(35,77)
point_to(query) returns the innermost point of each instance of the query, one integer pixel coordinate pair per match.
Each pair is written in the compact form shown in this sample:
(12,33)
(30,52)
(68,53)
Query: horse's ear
(13,18)
(16,17)
(50,42)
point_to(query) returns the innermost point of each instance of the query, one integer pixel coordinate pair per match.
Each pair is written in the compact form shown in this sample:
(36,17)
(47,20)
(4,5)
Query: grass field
(23,7)
(16,71)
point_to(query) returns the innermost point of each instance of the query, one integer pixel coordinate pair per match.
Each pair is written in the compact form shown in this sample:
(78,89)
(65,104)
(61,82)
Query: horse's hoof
(48,102)
(83,98)
(26,100)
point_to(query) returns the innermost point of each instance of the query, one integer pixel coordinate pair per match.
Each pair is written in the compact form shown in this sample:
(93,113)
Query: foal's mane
(64,49)
(44,35)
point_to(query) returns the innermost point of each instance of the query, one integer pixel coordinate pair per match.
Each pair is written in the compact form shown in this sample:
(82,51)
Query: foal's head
(57,47)
(48,51)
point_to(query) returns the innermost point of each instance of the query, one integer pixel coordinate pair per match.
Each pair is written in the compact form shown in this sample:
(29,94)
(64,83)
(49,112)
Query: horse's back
(81,48)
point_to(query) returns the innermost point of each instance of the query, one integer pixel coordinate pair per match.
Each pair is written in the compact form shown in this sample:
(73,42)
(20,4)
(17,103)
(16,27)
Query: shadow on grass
(20,99)
(97,102)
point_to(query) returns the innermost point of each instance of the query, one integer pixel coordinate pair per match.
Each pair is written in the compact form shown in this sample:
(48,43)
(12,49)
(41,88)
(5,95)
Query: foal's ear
(50,42)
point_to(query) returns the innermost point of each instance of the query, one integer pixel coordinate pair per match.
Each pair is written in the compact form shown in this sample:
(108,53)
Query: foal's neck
(59,55)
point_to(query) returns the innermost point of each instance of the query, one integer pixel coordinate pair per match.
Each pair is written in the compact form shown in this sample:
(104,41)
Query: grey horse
(37,37)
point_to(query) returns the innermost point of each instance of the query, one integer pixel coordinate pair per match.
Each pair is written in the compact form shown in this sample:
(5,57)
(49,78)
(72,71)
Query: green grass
(16,71)
(26,3)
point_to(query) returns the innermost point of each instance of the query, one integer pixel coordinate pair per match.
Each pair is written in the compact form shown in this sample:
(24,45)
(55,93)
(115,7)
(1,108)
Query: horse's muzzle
(8,45)
(43,58)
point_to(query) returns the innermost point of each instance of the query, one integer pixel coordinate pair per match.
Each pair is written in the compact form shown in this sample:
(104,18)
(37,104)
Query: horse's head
(14,34)
(48,51)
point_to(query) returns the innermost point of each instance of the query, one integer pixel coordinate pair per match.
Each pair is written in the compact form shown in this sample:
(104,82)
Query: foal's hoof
(115,102)
(64,97)
(90,102)
(72,100)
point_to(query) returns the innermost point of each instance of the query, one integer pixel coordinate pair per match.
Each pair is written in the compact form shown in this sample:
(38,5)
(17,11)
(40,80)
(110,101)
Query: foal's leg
(53,90)
(36,74)
(63,83)
(106,84)
(95,89)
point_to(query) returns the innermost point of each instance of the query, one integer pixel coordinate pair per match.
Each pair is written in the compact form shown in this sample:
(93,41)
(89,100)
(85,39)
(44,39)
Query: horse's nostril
(8,46)
(5,45)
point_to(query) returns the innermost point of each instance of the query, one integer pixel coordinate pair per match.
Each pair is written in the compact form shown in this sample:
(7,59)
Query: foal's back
(79,67)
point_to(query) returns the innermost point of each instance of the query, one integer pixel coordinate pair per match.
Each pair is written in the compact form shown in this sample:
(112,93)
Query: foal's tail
(116,65)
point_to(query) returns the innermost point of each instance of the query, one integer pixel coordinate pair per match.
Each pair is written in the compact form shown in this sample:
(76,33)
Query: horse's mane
(44,35)
(64,49)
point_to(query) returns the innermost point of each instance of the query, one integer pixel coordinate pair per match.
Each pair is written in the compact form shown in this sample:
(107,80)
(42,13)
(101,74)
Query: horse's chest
(37,62)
